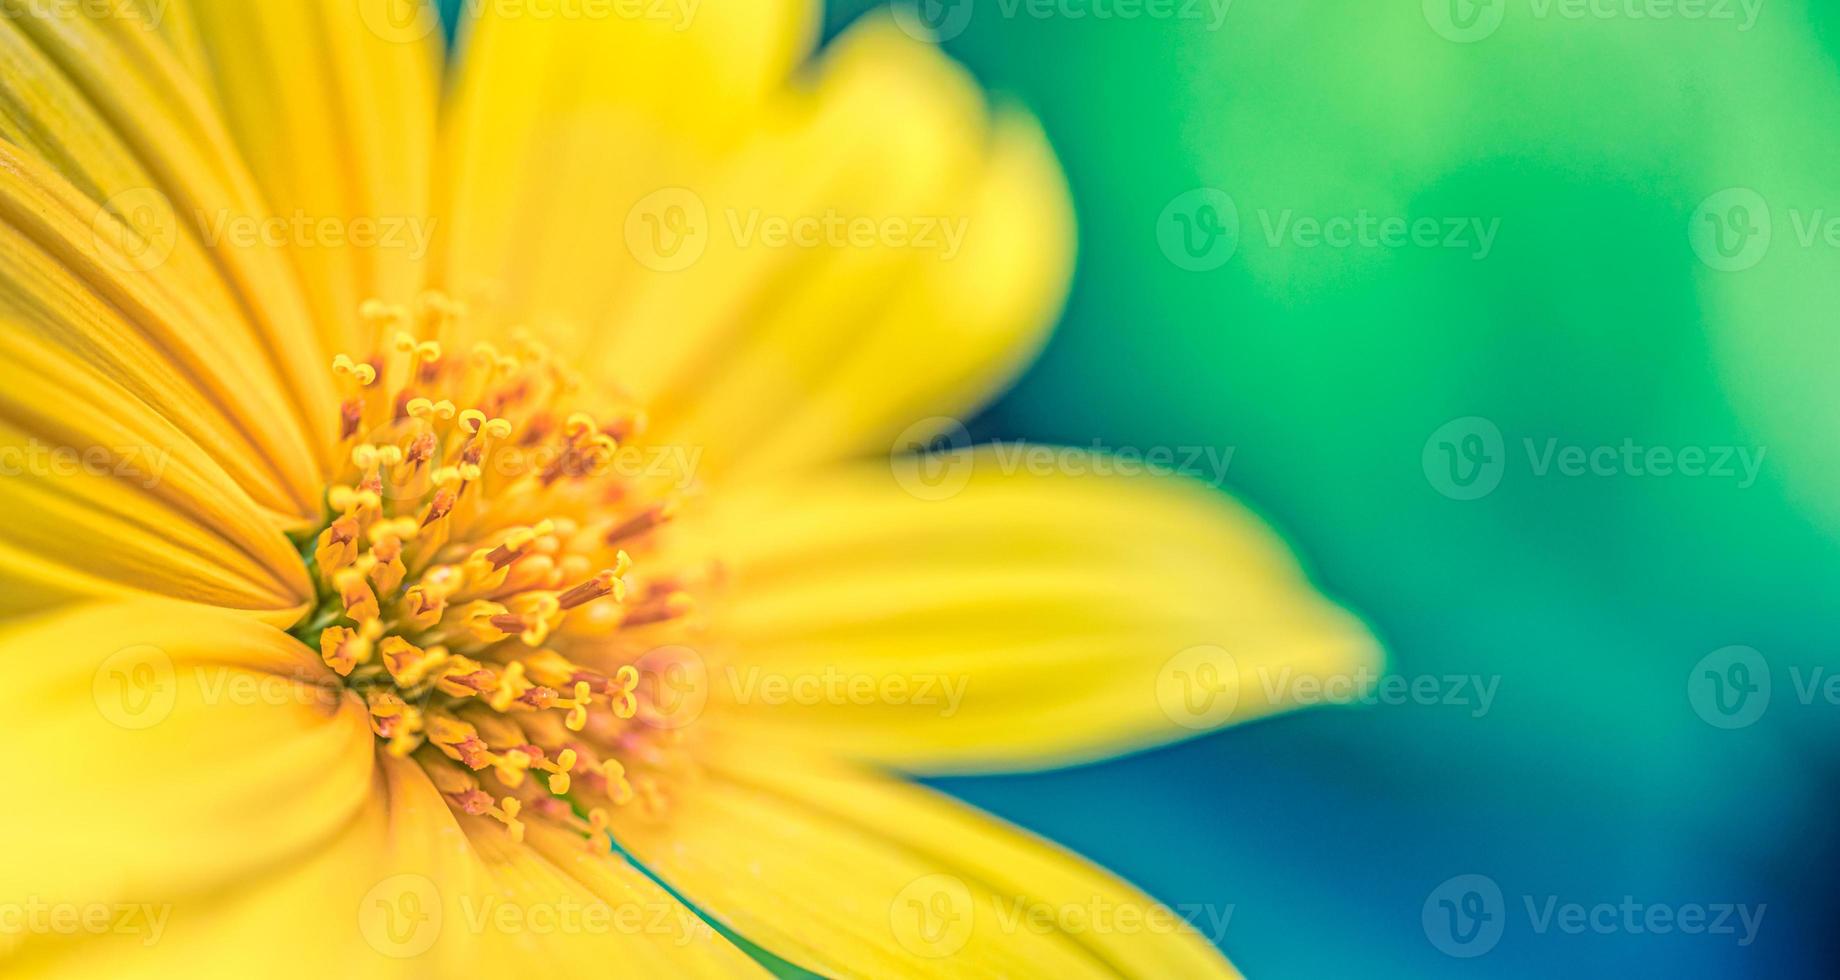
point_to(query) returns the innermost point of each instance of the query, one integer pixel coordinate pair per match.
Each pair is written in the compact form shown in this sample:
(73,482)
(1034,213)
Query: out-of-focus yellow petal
(935,254)
(100,96)
(405,889)
(334,106)
(796,281)
(849,873)
(992,614)
(162,750)
(951,335)
(626,917)
(375,899)
(557,125)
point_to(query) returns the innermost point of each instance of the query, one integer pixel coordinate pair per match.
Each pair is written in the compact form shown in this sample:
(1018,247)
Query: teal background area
(1592,600)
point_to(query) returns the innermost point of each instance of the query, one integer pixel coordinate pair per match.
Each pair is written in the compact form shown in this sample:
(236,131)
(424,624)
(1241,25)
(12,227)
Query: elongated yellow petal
(849,873)
(955,332)
(1006,612)
(161,750)
(333,106)
(100,95)
(126,467)
(882,254)
(403,889)
(792,276)
(119,299)
(624,917)
(556,127)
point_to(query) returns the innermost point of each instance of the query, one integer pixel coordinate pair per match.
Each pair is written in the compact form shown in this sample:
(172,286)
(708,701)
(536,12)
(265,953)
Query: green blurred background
(1592,140)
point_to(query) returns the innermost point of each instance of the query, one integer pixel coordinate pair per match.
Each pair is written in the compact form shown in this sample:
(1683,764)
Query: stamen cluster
(473,575)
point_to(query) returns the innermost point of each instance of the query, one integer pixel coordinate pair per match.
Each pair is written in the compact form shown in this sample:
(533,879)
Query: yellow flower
(433,545)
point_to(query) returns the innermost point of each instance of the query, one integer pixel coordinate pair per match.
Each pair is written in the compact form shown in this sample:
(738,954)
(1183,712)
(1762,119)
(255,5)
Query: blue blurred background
(1654,178)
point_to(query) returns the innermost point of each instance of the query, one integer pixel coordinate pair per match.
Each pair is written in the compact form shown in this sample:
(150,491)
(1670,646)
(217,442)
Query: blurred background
(1631,262)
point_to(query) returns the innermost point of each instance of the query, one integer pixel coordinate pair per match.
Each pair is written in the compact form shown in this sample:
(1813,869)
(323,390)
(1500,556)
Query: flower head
(446,530)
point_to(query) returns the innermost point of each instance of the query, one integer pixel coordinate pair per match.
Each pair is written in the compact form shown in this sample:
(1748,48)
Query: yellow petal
(1020,606)
(161,750)
(114,303)
(953,336)
(625,917)
(795,281)
(556,125)
(924,254)
(848,873)
(126,463)
(334,106)
(370,901)
(934,256)
(403,889)
(100,96)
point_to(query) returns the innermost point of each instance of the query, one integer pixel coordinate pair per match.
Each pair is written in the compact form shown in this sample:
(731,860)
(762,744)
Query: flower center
(475,580)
